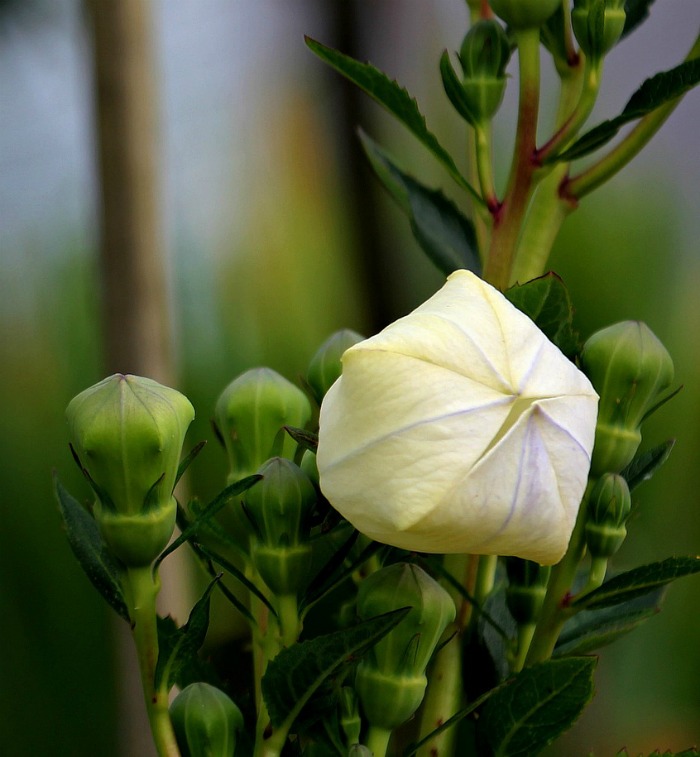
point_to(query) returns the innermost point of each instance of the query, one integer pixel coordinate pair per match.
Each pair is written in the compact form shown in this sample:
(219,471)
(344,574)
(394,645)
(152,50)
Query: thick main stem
(141,591)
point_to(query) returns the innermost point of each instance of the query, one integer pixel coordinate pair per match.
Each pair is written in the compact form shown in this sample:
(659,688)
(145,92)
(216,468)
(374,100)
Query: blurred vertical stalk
(134,288)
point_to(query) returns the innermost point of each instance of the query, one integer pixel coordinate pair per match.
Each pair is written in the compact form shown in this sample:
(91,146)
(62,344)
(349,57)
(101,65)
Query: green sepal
(653,93)
(454,90)
(90,550)
(308,668)
(396,100)
(535,707)
(545,300)
(187,460)
(644,466)
(637,582)
(590,630)
(637,11)
(178,647)
(444,233)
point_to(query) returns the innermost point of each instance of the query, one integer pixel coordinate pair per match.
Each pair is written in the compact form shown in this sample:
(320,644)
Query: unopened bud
(629,368)
(205,721)
(128,433)
(524,14)
(527,586)
(325,366)
(349,715)
(390,680)
(251,413)
(609,506)
(598,25)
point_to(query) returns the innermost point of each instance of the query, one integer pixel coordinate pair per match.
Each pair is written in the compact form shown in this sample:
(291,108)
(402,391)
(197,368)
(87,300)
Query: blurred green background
(276,237)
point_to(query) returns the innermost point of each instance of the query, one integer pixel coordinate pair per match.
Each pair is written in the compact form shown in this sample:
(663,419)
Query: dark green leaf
(445,234)
(546,301)
(178,647)
(299,671)
(85,540)
(454,89)
(305,439)
(637,582)
(644,466)
(395,99)
(654,92)
(592,629)
(637,11)
(536,706)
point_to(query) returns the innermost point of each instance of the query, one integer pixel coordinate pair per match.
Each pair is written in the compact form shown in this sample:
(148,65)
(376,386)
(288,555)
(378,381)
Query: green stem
(555,611)
(485,578)
(509,216)
(378,740)
(484,164)
(579,186)
(141,591)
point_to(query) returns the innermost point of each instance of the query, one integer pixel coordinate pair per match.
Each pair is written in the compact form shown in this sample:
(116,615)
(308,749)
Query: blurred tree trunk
(133,281)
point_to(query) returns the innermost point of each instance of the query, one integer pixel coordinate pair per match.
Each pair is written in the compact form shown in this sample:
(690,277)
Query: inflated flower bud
(205,721)
(524,14)
(609,506)
(527,585)
(459,428)
(251,413)
(325,365)
(598,25)
(279,505)
(390,680)
(128,433)
(629,367)
(484,56)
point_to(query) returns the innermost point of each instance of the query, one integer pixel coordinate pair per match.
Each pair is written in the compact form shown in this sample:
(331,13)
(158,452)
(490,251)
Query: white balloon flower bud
(459,428)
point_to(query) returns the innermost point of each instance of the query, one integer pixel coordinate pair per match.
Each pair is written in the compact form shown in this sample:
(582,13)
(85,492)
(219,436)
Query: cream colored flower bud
(459,428)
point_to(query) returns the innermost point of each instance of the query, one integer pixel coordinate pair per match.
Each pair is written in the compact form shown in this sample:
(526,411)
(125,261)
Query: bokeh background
(276,235)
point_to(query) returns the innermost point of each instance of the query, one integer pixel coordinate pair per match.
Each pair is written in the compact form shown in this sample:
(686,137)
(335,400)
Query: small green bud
(205,721)
(527,586)
(484,56)
(251,413)
(390,680)
(128,434)
(609,506)
(524,14)
(325,366)
(349,716)
(279,505)
(628,367)
(598,25)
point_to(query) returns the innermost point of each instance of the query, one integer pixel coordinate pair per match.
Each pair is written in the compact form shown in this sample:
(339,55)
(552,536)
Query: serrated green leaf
(87,545)
(644,466)
(637,582)
(636,12)
(592,629)
(178,647)
(546,301)
(298,672)
(444,233)
(536,706)
(394,98)
(654,92)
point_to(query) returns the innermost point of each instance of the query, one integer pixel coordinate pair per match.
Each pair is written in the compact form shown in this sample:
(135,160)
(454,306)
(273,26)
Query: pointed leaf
(654,92)
(637,11)
(444,233)
(87,545)
(546,301)
(637,582)
(395,99)
(592,629)
(536,706)
(300,671)
(178,647)
(187,460)
(644,466)
(306,439)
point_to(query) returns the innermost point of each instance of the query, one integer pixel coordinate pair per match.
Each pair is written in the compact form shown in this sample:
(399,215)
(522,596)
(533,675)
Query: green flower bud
(205,722)
(524,14)
(609,506)
(279,506)
(484,56)
(128,434)
(527,585)
(629,367)
(598,25)
(349,716)
(310,466)
(325,365)
(360,750)
(390,680)
(251,413)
